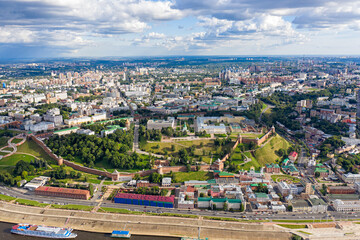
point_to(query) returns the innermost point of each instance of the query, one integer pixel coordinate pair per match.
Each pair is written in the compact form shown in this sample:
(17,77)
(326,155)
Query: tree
(24,174)
(202,195)
(91,189)
(241,207)
(289,208)
(225,206)
(173,148)
(197,168)
(73,174)
(317,174)
(155,177)
(136,177)
(214,206)
(188,167)
(164,192)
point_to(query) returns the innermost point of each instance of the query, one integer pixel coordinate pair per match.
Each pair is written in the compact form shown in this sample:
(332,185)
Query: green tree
(137,176)
(24,174)
(289,208)
(225,206)
(242,207)
(155,177)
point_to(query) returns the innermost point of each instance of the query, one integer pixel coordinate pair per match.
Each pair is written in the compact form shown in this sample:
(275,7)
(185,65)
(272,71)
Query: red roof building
(63,192)
(145,197)
(293,156)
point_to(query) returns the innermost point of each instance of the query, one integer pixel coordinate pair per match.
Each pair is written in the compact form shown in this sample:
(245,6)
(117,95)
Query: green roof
(321,170)
(261,195)
(291,168)
(254,185)
(212,181)
(225,174)
(272,165)
(234,200)
(204,199)
(219,199)
(107,121)
(66,129)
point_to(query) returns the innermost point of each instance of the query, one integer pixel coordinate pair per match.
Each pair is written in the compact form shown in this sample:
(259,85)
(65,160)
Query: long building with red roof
(147,200)
(63,192)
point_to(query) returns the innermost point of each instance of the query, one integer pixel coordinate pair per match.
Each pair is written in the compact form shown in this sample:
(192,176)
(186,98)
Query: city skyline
(42,28)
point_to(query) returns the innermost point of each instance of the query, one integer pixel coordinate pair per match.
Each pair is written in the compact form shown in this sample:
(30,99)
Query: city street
(331,215)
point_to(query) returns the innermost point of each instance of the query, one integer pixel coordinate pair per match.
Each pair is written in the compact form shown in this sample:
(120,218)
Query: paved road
(246,215)
(267,107)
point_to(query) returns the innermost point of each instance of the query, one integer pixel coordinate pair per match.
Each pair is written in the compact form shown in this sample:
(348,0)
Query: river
(6,235)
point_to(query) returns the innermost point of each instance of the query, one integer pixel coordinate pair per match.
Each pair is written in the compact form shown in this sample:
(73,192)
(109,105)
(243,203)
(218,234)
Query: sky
(105,28)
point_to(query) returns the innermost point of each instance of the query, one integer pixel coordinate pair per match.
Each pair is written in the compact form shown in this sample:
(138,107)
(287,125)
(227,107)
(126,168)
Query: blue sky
(100,28)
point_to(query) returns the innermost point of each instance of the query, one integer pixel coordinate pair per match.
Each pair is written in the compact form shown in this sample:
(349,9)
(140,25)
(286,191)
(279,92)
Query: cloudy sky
(98,28)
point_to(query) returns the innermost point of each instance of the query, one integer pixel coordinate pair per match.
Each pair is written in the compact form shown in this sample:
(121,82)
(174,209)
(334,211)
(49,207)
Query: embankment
(140,224)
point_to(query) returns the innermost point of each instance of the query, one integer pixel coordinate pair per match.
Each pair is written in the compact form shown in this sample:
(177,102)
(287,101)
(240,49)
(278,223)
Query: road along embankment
(140,224)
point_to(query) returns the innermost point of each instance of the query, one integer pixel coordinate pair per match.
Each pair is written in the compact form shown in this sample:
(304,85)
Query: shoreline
(140,224)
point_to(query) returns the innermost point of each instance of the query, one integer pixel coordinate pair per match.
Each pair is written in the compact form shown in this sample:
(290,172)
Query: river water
(6,235)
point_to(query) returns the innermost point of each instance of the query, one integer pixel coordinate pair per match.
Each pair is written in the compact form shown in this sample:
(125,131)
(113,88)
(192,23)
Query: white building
(36,182)
(351,178)
(201,124)
(61,95)
(159,124)
(42,126)
(166,182)
(346,206)
(357,186)
(77,121)
(284,188)
(85,132)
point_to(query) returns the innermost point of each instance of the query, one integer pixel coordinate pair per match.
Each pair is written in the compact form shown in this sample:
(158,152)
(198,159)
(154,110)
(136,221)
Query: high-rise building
(358,104)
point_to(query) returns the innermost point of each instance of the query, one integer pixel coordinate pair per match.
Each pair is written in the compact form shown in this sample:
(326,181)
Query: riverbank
(140,224)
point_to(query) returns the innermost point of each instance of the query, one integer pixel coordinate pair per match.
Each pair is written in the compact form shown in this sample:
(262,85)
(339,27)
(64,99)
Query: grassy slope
(186,176)
(267,154)
(3,141)
(32,148)
(208,147)
(13,159)
(16,140)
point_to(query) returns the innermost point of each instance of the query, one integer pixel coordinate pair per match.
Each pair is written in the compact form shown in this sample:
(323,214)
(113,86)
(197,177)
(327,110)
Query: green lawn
(8,149)
(253,163)
(30,203)
(32,148)
(118,210)
(203,148)
(293,226)
(73,207)
(16,140)
(237,157)
(263,107)
(280,178)
(4,141)
(3,153)
(267,154)
(186,176)
(6,198)
(13,159)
